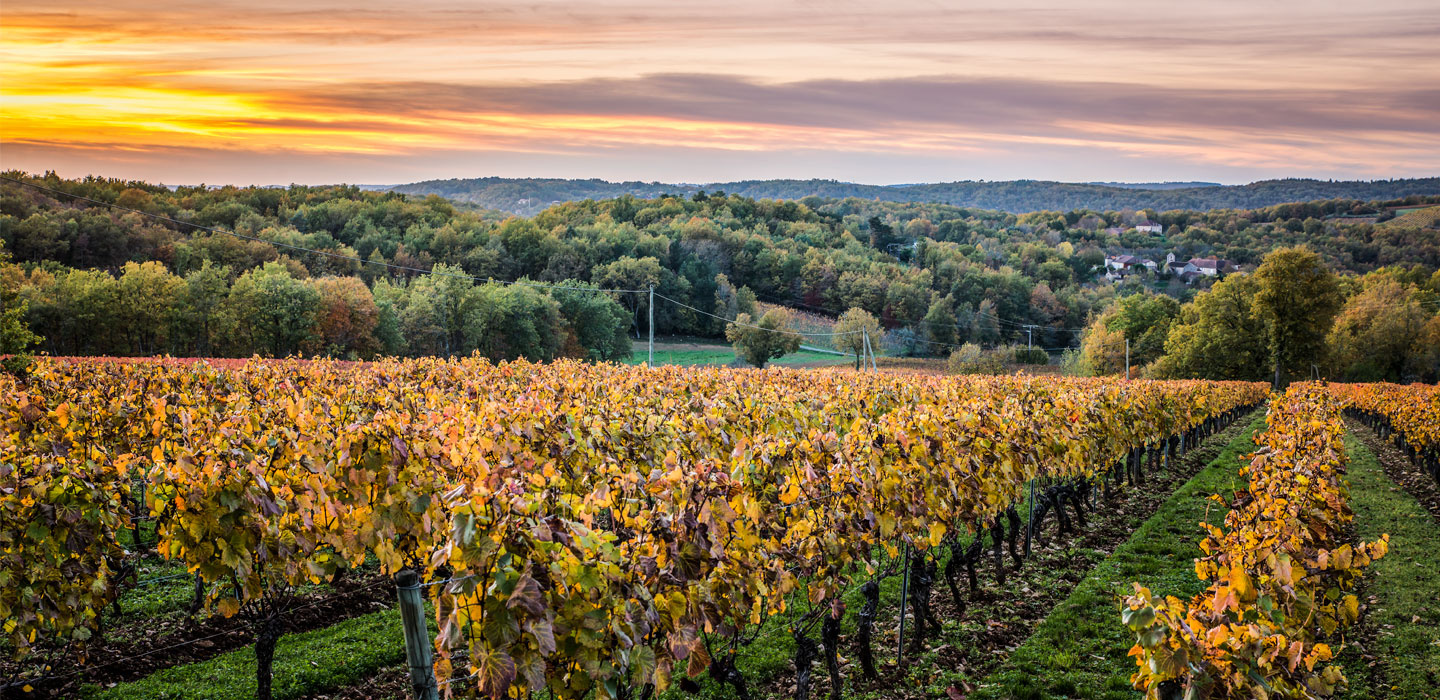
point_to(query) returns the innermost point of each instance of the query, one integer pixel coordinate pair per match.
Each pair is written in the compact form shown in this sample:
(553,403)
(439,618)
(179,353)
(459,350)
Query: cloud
(1010,105)
(1224,86)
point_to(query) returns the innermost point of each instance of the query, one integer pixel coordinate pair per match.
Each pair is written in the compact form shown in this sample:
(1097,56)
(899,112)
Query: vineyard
(579,530)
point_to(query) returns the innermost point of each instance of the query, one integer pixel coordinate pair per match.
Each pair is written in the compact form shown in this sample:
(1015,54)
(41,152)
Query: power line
(313,251)
(751,325)
(933,324)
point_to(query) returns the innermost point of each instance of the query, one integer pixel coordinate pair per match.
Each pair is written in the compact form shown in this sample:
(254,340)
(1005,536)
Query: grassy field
(1080,650)
(1398,656)
(708,353)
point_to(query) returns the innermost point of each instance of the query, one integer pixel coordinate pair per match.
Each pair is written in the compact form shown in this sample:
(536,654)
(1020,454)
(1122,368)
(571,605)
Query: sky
(267,92)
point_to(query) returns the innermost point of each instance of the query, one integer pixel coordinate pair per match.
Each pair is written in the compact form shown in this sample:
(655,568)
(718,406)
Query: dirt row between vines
(1394,650)
(996,620)
(137,647)
(1399,468)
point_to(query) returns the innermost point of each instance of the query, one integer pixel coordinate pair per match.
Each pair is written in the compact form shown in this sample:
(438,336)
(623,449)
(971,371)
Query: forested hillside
(527,196)
(116,280)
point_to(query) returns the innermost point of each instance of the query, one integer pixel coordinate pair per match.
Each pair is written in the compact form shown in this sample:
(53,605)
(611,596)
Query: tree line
(934,276)
(1293,318)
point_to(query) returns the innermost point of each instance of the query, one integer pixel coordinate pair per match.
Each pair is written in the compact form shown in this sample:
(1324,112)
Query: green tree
(731,301)
(1144,320)
(760,342)
(1218,336)
(202,304)
(148,304)
(940,325)
(596,325)
(15,336)
(1297,297)
(273,313)
(985,326)
(389,300)
(905,303)
(881,234)
(435,313)
(857,325)
(508,322)
(527,245)
(1425,355)
(631,273)
(88,302)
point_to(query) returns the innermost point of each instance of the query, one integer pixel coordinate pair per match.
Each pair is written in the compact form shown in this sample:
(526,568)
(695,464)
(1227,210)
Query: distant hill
(528,196)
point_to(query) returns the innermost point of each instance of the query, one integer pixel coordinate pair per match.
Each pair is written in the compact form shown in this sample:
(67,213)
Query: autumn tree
(1376,332)
(857,325)
(1296,298)
(346,318)
(758,342)
(1103,349)
(1142,319)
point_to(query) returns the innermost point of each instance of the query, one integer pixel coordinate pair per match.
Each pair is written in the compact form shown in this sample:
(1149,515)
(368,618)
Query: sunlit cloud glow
(1094,90)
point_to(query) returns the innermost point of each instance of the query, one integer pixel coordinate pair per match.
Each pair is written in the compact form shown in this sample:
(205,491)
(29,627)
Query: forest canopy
(342,271)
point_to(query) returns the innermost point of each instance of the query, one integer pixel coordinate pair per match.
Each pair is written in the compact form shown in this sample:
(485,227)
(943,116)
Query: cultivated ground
(1051,631)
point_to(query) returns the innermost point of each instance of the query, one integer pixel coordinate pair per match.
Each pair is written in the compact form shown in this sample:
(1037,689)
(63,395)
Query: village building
(1204,267)
(1128,262)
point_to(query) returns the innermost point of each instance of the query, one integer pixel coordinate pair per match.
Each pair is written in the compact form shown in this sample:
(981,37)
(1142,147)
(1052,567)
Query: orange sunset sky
(262,92)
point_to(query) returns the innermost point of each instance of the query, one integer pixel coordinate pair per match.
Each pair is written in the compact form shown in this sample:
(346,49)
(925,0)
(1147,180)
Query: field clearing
(1421,217)
(700,353)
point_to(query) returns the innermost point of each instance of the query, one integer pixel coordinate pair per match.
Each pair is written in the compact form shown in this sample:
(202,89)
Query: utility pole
(1029,335)
(651,360)
(865,340)
(1127,358)
(870,345)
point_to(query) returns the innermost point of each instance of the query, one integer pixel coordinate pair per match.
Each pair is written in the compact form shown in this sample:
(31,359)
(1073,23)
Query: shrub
(971,359)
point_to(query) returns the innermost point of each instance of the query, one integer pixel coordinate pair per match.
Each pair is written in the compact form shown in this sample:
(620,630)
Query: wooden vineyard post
(904,594)
(417,637)
(1030,524)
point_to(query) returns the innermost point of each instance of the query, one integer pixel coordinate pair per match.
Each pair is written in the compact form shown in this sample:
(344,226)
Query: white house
(1128,262)
(1205,267)
(1148,226)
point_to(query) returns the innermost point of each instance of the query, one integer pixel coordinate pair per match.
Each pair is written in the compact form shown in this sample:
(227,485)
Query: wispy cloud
(1232,89)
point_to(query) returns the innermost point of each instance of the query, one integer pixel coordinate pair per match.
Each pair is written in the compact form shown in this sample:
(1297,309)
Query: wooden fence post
(417,635)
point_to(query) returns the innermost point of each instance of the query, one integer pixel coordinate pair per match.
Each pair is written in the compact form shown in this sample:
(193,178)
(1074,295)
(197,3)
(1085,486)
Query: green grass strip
(1081,649)
(1405,585)
(305,664)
